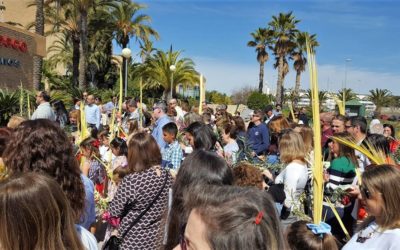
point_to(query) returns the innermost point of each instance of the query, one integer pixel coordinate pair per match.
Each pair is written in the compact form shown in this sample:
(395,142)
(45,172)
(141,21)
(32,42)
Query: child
(91,167)
(302,235)
(172,154)
(120,151)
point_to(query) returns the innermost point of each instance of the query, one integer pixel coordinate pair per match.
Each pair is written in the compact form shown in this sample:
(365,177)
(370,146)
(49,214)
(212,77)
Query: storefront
(17,49)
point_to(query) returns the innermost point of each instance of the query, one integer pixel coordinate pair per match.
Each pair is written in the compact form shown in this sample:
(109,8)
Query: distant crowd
(171,176)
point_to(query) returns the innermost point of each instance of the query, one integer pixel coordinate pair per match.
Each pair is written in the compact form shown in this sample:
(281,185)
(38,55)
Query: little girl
(91,167)
(120,151)
(302,235)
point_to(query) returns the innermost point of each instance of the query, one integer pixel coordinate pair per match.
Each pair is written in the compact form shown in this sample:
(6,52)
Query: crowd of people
(171,177)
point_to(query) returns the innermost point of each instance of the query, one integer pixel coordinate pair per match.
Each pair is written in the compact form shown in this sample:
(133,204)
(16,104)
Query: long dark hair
(120,144)
(203,136)
(201,166)
(42,146)
(45,218)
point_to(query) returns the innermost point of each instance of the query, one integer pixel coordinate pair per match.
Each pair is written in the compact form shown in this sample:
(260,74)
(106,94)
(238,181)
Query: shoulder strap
(147,207)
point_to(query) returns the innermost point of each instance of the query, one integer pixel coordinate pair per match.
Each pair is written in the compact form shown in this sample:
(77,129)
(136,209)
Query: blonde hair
(384,179)
(307,134)
(15,121)
(291,147)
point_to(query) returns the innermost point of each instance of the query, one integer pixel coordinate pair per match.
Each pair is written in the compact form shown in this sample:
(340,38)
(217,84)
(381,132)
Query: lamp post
(345,71)
(172,68)
(126,54)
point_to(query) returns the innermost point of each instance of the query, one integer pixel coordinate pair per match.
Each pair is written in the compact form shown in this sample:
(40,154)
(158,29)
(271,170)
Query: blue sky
(215,33)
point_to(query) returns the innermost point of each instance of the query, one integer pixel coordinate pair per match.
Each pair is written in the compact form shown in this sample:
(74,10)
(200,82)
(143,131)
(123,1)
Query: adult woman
(231,218)
(294,176)
(389,132)
(200,136)
(341,172)
(60,112)
(45,218)
(231,147)
(42,146)
(142,187)
(380,191)
(202,167)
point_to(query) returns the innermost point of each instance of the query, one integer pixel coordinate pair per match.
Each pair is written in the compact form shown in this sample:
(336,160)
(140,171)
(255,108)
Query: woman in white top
(231,147)
(380,192)
(294,175)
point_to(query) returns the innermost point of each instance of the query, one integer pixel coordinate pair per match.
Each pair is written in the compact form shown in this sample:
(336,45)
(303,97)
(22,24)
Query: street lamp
(172,68)
(126,54)
(345,71)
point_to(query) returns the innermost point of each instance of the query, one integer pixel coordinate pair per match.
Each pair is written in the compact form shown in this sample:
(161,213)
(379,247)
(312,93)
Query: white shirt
(88,240)
(294,177)
(44,111)
(388,239)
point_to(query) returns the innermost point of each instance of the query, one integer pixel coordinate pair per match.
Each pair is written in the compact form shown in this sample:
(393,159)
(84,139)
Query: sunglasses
(366,192)
(182,240)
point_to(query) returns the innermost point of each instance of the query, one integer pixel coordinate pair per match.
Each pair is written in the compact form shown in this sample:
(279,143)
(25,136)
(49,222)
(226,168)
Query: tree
(39,29)
(258,100)
(380,97)
(348,94)
(284,30)
(129,23)
(241,95)
(322,96)
(298,54)
(261,40)
(217,97)
(156,71)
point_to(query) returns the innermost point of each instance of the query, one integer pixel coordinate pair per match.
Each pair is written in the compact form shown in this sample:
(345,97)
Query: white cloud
(228,76)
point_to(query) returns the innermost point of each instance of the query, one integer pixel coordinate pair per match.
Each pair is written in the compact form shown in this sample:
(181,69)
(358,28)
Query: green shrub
(258,100)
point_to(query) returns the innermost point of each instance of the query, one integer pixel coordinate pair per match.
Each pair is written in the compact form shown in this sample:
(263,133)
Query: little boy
(172,154)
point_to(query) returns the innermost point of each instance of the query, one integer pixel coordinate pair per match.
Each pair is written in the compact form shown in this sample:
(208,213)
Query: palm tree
(39,29)
(156,71)
(261,40)
(322,96)
(284,30)
(298,54)
(380,97)
(129,23)
(146,49)
(348,94)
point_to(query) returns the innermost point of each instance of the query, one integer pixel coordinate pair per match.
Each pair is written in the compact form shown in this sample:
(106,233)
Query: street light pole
(126,54)
(345,72)
(172,68)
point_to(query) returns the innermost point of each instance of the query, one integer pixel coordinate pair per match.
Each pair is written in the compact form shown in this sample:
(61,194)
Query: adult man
(133,110)
(356,126)
(339,124)
(161,118)
(303,116)
(92,113)
(278,109)
(258,135)
(44,110)
(173,104)
(326,130)
(269,114)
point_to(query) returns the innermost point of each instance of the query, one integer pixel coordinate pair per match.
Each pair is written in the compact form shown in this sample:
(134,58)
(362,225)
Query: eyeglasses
(182,240)
(335,126)
(366,192)
(349,126)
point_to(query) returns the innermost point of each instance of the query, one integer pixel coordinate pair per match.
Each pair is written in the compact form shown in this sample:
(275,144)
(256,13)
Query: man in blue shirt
(161,117)
(258,135)
(92,113)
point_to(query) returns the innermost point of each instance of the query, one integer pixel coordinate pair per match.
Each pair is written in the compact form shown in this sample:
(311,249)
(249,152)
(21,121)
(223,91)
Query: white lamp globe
(126,53)
(172,67)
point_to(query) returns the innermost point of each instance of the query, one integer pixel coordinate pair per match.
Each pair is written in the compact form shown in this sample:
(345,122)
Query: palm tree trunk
(297,85)
(75,60)
(39,29)
(261,77)
(279,84)
(83,49)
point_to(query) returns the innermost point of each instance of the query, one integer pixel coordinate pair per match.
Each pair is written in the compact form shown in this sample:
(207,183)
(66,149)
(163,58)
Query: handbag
(114,242)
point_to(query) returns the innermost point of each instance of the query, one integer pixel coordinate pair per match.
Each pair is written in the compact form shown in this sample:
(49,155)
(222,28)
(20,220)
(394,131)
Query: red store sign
(13,43)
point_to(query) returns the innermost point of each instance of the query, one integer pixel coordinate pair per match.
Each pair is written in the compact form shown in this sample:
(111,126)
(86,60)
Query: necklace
(362,239)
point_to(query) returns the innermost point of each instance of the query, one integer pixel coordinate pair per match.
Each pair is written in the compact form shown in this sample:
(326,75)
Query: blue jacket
(157,131)
(258,137)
